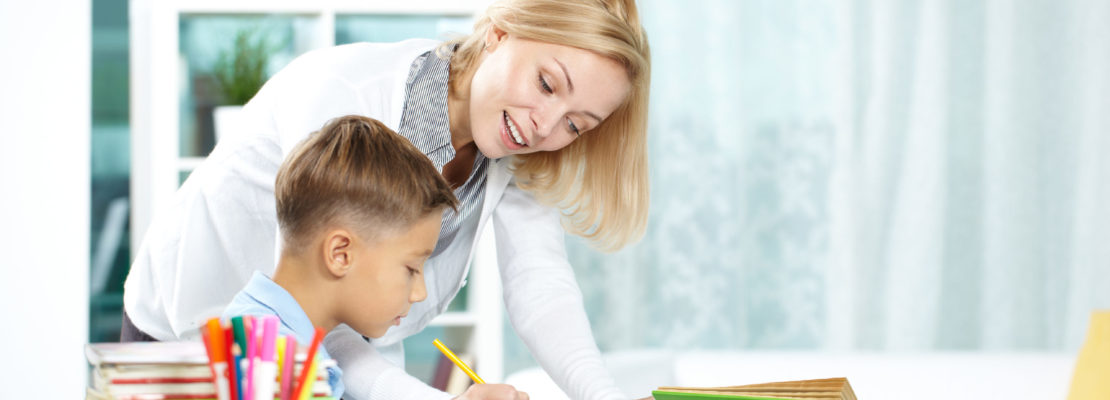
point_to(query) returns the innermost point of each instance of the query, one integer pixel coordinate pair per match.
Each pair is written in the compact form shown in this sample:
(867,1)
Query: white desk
(874,376)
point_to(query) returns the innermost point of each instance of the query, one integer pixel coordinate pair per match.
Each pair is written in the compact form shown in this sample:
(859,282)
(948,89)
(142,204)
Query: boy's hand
(492,391)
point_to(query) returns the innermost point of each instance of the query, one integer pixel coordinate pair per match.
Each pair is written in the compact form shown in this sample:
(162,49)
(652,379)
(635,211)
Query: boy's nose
(419,292)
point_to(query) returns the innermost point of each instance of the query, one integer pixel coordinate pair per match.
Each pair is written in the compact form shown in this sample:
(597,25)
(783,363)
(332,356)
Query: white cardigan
(222,227)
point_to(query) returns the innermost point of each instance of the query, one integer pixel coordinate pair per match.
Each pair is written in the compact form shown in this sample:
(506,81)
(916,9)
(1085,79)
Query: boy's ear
(338,252)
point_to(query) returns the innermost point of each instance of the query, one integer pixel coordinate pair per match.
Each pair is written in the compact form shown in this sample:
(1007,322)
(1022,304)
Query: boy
(359,211)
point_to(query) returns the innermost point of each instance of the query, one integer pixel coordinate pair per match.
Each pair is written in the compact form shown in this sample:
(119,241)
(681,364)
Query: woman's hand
(492,391)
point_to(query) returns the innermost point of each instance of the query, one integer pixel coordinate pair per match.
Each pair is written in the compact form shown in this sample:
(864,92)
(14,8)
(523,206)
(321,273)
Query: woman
(538,119)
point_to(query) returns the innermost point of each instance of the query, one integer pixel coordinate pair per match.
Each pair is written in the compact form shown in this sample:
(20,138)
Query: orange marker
(304,389)
(217,359)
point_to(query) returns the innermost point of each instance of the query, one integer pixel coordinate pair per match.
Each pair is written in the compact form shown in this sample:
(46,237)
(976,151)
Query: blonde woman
(537,119)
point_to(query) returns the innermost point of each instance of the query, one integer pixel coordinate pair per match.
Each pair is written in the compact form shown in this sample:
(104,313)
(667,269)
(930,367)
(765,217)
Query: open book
(832,389)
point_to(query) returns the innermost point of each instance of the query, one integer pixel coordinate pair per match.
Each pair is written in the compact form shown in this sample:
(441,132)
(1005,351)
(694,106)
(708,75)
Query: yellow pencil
(455,359)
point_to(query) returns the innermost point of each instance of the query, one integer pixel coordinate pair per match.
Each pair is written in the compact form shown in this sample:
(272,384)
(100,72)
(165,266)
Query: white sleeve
(301,98)
(543,299)
(367,375)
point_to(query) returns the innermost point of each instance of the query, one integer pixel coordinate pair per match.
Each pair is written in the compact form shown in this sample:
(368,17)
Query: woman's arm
(368,375)
(543,298)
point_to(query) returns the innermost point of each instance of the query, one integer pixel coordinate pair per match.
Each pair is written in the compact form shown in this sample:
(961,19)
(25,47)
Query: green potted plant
(239,73)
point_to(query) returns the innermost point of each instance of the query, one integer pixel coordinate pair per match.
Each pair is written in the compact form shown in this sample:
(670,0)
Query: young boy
(359,211)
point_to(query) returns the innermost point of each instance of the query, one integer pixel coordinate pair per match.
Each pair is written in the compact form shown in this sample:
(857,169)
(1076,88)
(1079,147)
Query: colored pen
(252,352)
(455,359)
(310,381)
(232,373)
(266,368)
(241,340)
(308,376)
(279,348)
(240,332)
(218,359)
(290,353)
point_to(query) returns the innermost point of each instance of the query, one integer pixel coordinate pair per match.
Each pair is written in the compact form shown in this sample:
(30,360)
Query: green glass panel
(204,39)
(110,167)
(182,176)
(459,302)
(394,28)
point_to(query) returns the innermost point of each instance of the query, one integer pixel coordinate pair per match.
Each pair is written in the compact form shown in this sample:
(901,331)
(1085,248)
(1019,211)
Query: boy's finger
(522,395)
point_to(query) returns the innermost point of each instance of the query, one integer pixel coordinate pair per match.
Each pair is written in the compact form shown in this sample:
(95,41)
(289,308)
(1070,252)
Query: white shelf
(455,319)
(186,164)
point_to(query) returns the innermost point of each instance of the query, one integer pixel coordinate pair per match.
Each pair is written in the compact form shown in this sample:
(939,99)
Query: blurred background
(827,176)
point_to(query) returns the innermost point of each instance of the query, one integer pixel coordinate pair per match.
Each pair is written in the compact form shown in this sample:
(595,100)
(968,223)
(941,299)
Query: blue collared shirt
(262,296)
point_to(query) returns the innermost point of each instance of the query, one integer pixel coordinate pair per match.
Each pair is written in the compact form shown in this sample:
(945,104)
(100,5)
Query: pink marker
(266,368)
(252,353)
(287,377)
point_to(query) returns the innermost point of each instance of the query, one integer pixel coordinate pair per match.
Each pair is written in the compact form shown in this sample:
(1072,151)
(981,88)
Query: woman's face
(528,96)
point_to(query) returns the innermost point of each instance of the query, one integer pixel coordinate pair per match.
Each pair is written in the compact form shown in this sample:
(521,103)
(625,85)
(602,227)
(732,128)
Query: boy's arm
(368,375)
(543,299)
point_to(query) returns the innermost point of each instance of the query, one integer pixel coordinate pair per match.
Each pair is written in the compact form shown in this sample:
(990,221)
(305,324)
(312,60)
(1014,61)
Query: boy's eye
(412,271)
(544,85)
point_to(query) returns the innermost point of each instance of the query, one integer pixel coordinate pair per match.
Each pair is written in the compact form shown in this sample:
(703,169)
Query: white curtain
(875,175)
(969,198)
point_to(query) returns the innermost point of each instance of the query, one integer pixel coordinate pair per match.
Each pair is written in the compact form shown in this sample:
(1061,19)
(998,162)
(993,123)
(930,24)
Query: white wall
(44,197)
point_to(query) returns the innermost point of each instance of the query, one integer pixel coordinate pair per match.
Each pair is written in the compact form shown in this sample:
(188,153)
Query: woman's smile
(510,133)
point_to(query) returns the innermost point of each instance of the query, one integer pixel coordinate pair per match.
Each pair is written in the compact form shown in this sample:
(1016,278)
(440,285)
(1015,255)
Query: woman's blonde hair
(600,180)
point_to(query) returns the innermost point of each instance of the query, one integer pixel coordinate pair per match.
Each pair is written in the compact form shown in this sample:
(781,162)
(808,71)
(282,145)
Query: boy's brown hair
(358,173)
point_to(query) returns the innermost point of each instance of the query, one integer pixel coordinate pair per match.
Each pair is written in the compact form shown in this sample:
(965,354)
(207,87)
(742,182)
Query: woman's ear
(494,36)
(338,252)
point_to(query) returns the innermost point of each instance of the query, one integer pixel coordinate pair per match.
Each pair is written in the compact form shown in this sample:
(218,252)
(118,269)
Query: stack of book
(168,370)
(830,389)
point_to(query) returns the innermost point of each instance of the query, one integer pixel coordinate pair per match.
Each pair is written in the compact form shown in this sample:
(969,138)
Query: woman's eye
(573,127)
(544,85)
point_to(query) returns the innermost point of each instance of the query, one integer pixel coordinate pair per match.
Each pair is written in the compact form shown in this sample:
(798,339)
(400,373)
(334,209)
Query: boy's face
(387,276)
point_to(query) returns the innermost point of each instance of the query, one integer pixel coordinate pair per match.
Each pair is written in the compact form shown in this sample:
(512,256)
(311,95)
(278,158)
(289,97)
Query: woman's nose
(545,120)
